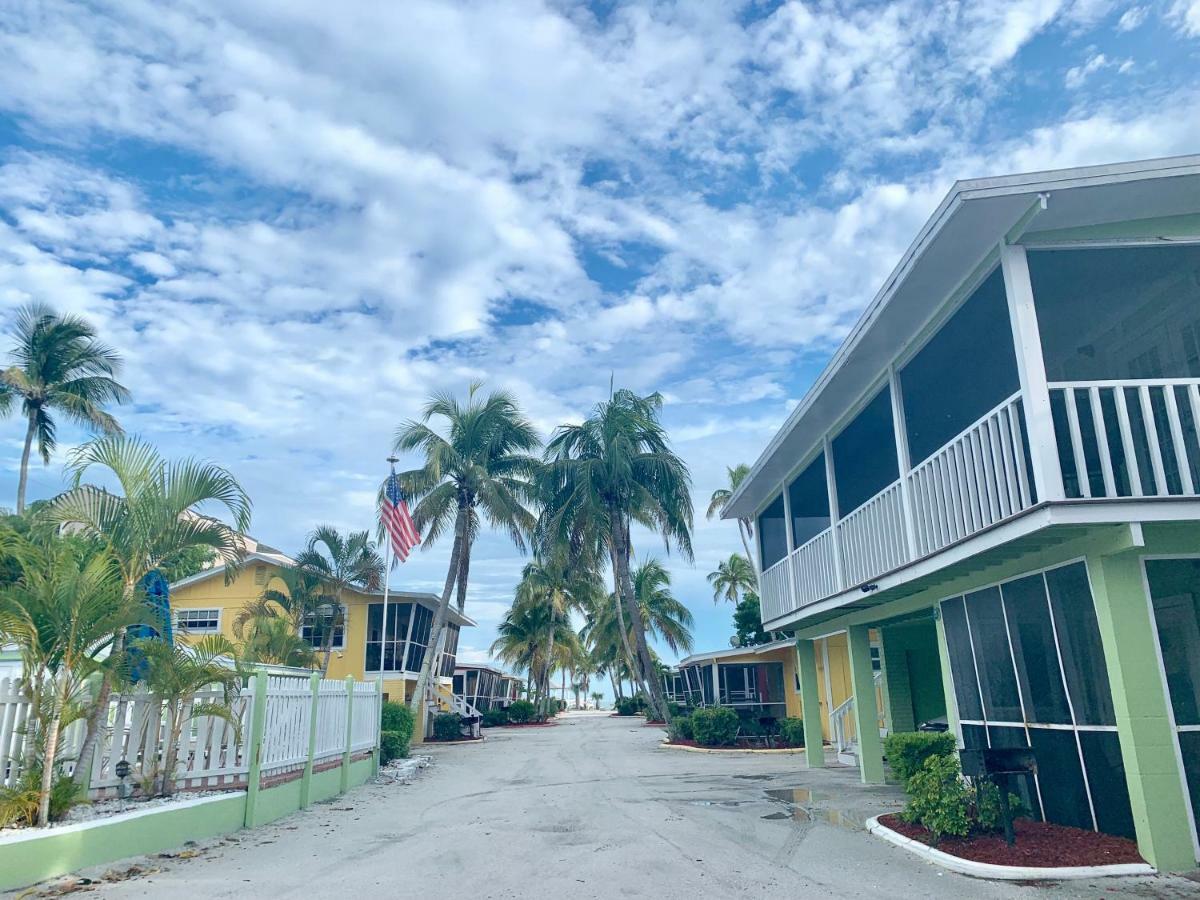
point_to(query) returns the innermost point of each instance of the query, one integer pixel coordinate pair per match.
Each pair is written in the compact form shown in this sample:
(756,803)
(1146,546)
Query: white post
(1031,367)
(903,460)
(791,545)
(831,488)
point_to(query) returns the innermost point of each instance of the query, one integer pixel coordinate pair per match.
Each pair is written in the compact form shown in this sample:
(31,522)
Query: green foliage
(447,727)
(398,718)
(521,711)
(985,806)
(19,802)
(494,717)
(187,561)
(938,799)
(906,751)
(715,726)
(747,622)
(791,731)
(680,729)
(733,578)
(392,745)
(629,706)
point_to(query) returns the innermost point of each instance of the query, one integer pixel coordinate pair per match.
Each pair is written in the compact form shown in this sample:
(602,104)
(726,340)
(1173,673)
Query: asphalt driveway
(591,807)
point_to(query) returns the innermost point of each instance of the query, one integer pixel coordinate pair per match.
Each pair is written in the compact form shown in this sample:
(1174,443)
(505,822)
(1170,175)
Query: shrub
(938,798)
(680,729)
(906,751)
(494,717)
(791,731)
(629,706)
(715,726)
(19,801)
(675,709)
(447,727)
(521,711)
(398,718)
(984,799)
(392,745)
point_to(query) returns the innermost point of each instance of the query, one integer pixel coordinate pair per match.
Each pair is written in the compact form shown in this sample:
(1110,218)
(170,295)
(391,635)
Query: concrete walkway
(591,807)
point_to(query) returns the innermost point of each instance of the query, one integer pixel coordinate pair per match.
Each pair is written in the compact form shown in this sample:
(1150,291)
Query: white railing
(1134,438)
(331,718)
(843,730)
(978,479)
(872,537)
(776,591)
(814,571)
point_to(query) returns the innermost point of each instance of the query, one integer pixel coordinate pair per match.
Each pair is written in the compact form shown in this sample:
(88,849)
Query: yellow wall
(785,655)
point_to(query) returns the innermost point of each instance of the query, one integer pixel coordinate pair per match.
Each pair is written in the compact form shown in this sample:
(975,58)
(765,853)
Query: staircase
(440,698)
(841,724)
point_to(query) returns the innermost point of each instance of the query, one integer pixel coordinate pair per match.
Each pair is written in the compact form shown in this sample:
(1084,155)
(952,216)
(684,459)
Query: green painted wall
(913,673)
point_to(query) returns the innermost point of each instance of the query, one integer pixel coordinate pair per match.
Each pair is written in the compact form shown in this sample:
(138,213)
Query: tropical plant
(58,366)
(603,475)
(733,578)
(521,711)
(150,522)
(597,698)
(480,468)
(791,731)
(61,614)
(340,564)
(715,726)
(272,639)
(747,623)
(667,619)
(938,799)
(174,674)
(906,751)
(720,499)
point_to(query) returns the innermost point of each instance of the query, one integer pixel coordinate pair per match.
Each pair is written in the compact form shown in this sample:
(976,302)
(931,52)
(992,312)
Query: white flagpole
(387,583)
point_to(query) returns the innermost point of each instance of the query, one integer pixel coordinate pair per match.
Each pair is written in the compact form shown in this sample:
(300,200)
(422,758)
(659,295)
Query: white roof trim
(737,651)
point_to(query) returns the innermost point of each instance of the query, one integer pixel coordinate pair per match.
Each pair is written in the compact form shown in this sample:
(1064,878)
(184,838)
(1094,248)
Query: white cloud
(1132,18)
(1185,14)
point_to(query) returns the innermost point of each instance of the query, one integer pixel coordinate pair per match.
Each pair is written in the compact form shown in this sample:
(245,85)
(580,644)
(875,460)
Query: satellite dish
(735,641)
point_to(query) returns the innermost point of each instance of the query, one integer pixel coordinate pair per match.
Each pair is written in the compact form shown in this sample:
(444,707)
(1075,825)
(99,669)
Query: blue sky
(297,220)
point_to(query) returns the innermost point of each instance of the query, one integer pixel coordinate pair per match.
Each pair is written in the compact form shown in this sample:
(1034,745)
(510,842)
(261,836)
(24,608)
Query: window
(392,648)
(317,627)
(198,621)
(422,623)
(772,534)
(864,455)
(449,651)
(808,497)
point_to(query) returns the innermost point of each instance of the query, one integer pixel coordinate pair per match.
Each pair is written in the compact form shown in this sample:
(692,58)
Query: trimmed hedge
(715,726)
(791,731)
(680,729)
(392,745)
(494,717)
(447,727)
(521,711)
(395,719)
(906,751)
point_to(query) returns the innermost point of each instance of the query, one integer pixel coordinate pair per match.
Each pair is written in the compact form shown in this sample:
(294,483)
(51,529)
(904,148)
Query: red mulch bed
(524,725)
(742,744)
(1039,844)
(656,723)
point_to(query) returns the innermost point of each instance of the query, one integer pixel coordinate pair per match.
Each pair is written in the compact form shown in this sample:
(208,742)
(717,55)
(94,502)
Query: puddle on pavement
(797,800)
(754,777)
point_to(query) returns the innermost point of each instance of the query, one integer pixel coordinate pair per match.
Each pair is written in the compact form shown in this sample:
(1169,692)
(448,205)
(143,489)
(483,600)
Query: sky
(297,220)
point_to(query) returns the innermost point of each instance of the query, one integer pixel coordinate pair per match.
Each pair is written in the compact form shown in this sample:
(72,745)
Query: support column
(866,710)
(258,726)
(314,683)
(810,702)
(903,461)
(345,785)
(1141,704)
(947,675)
(834,537)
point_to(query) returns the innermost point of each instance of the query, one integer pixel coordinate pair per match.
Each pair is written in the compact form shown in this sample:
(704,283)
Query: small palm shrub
(494,717)
(392,745)
(19,801)
(715,726)
(398,719)
(447,727)
(628,706)
(906,751)
(521,711)
(680,729)
(791,731)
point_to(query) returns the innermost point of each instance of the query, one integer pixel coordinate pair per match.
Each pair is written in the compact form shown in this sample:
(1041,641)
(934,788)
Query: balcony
(1116,440)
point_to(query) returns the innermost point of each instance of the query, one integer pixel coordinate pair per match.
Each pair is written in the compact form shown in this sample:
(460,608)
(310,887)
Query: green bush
(398,718)
(447,727)
(938,799)
(680,729)
(906,751)
(984,799)
(715,726)
(19,801)
(791,731)
(392,745)
(494,717)
(629,706)
(521,711)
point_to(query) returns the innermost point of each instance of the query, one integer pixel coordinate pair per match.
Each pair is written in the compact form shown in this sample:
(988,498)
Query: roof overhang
(717,655)
(967,227)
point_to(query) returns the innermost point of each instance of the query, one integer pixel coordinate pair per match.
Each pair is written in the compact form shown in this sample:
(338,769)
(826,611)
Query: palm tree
(152,521)
(597,698)
(666,618)
(58,366)
(271,638)
(479,468)
(523,637)
(340,564)
(614,469)
(732,578)
(61,614)
(293,593)
(720,499)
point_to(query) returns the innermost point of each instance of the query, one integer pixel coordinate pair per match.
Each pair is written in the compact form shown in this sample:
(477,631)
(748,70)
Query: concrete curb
(999,872)
(478,740)
(782,751)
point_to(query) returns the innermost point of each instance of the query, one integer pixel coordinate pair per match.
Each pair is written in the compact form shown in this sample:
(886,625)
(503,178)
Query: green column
(866,710)
(947,675)
(345,786)
(258,725)
(896,680)
(314,683)
(810,702)
(1156,788)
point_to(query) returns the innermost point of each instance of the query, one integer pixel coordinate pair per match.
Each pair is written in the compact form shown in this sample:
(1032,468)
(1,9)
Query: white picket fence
(212,752)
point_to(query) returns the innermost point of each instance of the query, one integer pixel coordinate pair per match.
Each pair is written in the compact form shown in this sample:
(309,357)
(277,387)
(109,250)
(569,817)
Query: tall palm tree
(479,467)
(58,366)
(612,470)
(340,563)
(521,642)
(293,593)
(732,578)
(666,618)
(720,499)
(272,639)
(152,520)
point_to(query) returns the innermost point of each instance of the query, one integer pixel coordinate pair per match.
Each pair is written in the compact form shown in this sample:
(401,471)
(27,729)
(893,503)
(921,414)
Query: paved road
(588,808)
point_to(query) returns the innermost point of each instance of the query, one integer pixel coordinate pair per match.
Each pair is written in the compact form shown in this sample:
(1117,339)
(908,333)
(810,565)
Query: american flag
(397,521)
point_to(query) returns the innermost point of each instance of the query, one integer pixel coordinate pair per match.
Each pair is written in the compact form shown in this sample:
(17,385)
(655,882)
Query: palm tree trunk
(417,704)
(464,569)
(544,687)
(616,686)
(621,625)
(99,713)
(52,730)
(746,545)
(645,670)
(23,478)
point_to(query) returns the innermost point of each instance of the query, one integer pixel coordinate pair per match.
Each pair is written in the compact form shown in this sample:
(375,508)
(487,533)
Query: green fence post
(349,733)
(379,724)
(258,726)
(314,681)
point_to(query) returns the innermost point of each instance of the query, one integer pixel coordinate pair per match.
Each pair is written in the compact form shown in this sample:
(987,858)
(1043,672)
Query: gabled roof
(483,667)
(968,225)
(757,650)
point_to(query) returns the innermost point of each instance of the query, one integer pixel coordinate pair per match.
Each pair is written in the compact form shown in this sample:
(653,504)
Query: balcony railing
(872,536)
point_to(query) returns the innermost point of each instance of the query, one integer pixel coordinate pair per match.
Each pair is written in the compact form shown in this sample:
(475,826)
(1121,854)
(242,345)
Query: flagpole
(387,583)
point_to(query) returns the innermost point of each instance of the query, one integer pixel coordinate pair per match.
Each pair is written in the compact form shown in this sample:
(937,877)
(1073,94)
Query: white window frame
(187,629)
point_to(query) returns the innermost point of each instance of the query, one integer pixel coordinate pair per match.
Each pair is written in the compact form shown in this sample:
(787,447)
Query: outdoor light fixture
(122,769)
(867,588)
